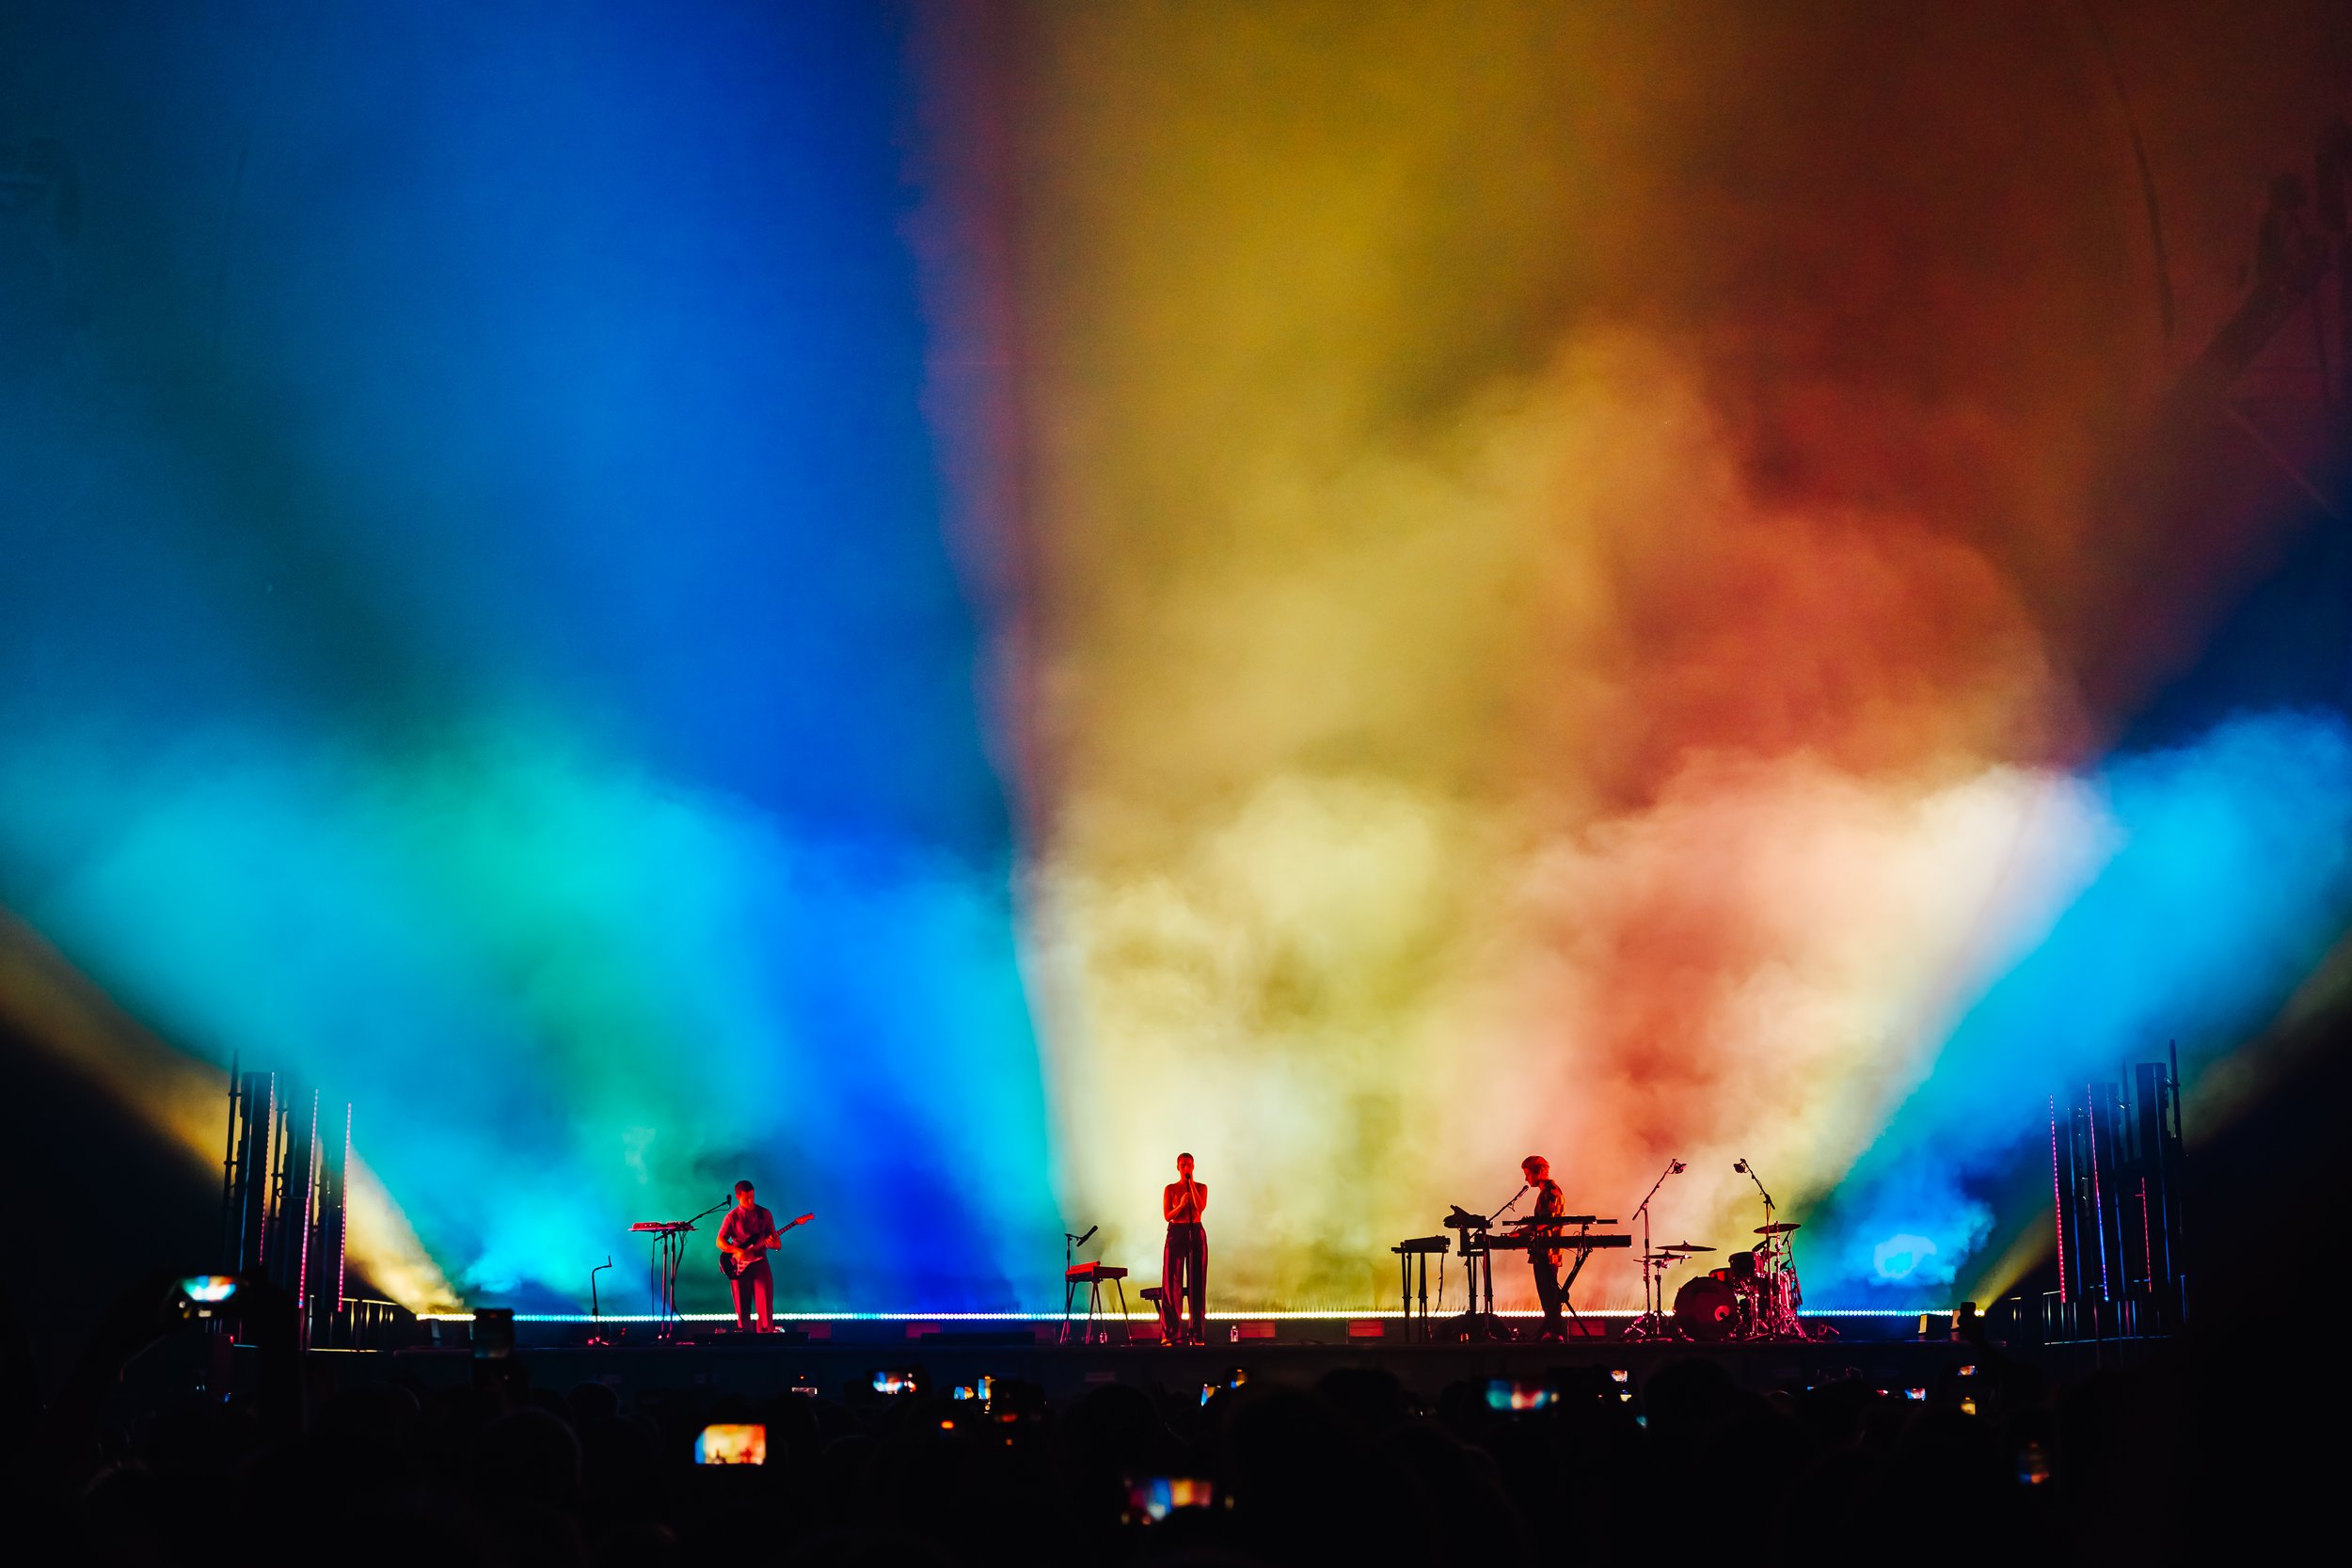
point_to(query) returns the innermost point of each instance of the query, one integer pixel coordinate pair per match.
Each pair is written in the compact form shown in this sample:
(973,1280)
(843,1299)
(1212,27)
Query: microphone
(1089,1236)
(1678,1168)
(1740,1166)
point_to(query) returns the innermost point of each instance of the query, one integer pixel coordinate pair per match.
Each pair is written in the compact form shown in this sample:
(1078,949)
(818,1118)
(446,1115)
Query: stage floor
(848,1357)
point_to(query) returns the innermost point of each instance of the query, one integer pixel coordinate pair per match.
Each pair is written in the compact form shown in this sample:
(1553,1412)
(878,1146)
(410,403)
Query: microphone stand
(1652,1323)
(1514,1202)
(1070,1245)
(1748,1169)
(1780,1313)
(1487,1324)
(594,1310)
(670,1247)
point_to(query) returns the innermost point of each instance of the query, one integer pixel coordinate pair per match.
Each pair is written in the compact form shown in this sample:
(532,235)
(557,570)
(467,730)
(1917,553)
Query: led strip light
(1099,1316)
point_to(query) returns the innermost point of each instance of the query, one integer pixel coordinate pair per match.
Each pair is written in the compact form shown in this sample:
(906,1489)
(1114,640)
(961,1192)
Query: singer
(1184,1261)
(745,1238)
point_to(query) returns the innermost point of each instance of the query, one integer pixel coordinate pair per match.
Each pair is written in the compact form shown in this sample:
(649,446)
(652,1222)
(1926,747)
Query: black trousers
(1185,1280)
(1546,1288)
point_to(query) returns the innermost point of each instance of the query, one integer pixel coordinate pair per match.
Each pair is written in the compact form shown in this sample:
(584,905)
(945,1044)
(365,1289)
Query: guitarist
(746,1236)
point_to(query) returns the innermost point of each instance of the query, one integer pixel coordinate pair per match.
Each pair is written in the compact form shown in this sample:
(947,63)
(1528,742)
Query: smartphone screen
(2033,1465)
(493,1333)
(209,1289)
(732,1443)
(1235,1378)
(894,1383)
(203,1295)
(1154,1499)
(1510,1393)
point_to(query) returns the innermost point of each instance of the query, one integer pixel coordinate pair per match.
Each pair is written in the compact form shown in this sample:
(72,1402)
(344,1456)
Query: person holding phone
(1184,1262)
(746,1236)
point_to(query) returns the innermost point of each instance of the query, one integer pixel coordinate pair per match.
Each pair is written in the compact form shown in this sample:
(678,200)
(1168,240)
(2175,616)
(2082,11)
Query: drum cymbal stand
(1651,1325)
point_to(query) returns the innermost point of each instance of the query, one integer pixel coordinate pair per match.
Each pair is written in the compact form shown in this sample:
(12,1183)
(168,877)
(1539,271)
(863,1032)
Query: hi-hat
(1685,1246)
(1781,1230)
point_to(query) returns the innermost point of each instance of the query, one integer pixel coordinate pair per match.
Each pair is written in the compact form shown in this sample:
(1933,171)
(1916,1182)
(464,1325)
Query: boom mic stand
(1777,1313)
(1651,1325)
(1070,1245)
(1775,1245)
(1749,1171)
(1487,1325)
(670,1252)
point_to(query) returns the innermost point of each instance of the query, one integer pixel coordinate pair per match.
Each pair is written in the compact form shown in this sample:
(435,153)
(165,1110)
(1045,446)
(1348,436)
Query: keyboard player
(1545,1262)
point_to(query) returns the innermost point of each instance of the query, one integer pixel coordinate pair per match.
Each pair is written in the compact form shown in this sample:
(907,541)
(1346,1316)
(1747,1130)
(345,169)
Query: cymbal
(1781,1230)
(1685,1246)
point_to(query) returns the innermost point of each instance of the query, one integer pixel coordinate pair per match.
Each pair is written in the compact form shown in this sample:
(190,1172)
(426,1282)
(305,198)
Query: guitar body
(733,1262)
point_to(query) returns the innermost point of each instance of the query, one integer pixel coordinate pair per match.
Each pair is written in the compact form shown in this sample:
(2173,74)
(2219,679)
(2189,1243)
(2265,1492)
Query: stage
(841,1358)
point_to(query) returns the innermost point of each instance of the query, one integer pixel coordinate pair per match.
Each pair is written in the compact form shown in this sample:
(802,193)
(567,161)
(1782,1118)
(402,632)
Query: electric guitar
(735,1260)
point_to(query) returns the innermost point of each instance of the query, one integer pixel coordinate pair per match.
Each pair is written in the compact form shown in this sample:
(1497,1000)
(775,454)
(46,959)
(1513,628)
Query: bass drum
(1706,1308)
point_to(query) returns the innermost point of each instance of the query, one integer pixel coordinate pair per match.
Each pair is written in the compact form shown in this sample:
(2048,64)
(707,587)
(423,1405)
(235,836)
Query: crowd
(1985,1464)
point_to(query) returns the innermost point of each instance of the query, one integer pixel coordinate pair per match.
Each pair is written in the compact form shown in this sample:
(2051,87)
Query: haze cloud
(1571,586)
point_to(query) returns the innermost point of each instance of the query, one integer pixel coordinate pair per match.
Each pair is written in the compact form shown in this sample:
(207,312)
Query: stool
(1158,1296)
(1094,1276)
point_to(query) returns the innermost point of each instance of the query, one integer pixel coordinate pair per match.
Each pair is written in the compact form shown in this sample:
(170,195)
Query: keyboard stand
(1094,1276)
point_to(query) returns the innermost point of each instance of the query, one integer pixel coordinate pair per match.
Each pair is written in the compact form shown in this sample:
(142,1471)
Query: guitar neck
(757,1243)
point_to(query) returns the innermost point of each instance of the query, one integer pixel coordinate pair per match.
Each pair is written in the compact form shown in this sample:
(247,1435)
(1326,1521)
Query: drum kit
(1755,1295)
